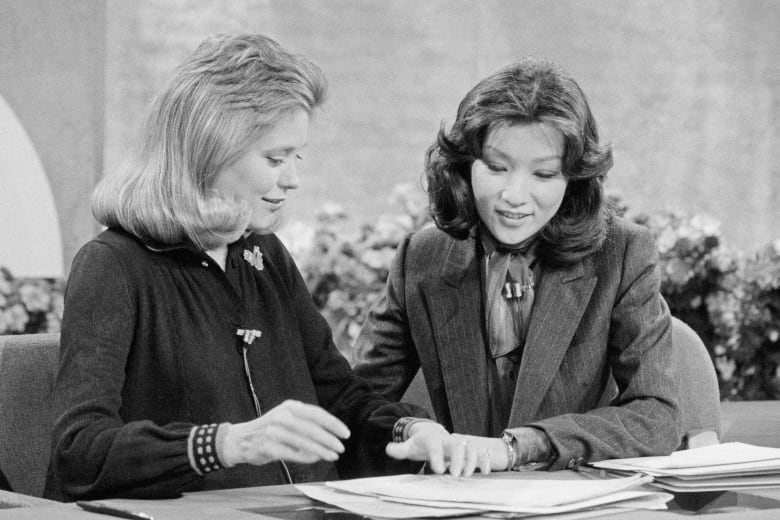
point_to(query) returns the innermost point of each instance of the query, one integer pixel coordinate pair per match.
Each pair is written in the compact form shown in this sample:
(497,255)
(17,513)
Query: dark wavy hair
(531,90)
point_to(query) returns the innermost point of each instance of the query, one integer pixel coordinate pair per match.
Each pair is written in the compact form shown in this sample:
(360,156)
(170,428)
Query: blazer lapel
(561,301)
(455,304)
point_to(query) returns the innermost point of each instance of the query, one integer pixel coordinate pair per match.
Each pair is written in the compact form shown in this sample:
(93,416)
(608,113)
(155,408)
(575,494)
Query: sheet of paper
(484,490)
(378,507)
(711,484)
(577,515)
(718,455)
(763,467)
(372,506)
(624,499)
(753,469)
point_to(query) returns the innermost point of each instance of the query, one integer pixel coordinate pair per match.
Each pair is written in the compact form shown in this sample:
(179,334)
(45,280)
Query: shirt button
(204,264)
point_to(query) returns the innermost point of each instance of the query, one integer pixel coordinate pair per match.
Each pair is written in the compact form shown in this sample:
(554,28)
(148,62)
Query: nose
(516,190)
(289,179)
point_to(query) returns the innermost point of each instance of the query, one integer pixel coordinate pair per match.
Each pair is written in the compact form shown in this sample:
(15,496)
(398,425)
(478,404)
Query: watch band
(511,453)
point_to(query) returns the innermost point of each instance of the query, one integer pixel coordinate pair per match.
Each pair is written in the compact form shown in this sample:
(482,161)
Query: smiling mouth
(273,201)
(513,216)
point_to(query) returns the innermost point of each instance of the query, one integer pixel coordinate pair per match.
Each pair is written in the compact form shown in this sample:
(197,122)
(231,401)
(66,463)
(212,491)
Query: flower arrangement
(345,267)
(732,301)
(29,305)
(754,351)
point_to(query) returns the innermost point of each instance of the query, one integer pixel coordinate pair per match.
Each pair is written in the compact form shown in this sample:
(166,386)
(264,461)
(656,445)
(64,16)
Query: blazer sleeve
(95,453)
(368,415)
(389,359)
(643,419)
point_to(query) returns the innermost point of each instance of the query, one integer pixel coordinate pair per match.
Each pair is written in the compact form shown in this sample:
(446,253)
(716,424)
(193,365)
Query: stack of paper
(722,467)
(409,496)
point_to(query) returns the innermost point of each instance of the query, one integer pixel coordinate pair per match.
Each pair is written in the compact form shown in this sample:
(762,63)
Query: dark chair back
(699,389)
(28,367)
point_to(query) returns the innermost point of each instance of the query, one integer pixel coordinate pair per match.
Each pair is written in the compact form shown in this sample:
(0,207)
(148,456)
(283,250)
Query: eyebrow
(285,149)
(539,160)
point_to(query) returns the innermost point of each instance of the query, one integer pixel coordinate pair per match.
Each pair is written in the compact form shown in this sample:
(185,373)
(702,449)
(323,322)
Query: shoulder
(113,244)
(429,240)
(624,237)
(621,227)
(119,239)
(628,250)
(106,267)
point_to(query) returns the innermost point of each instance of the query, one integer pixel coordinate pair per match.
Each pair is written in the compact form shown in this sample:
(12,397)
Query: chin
(269,222)
(514,239)
(264,226)
(510,237)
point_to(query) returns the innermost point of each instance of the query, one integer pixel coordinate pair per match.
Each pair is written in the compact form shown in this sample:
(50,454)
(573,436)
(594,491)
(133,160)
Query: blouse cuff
(202,447)
(403,425)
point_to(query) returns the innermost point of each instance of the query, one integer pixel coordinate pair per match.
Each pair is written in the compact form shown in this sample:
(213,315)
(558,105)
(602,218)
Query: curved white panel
(30,241)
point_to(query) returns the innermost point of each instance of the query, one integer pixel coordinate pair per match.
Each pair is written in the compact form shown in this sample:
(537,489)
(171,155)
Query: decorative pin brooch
(254,258)
(515,290)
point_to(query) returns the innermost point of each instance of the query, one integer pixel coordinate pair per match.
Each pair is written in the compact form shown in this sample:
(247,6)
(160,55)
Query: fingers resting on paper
(459,455)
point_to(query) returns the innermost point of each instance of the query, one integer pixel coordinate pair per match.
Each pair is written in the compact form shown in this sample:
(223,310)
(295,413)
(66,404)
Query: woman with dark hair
(192,356)
(533,311)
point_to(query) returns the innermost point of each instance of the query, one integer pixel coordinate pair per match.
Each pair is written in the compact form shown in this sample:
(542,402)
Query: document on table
(706,460)
(367,505)
(720,467)
(403,496)
(718,484)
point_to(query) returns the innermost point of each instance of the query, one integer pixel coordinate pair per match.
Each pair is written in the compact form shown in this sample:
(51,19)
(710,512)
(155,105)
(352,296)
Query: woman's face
(264,174)
(518,184)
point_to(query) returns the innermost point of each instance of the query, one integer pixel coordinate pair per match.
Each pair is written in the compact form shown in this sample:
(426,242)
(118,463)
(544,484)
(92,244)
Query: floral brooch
(254,258)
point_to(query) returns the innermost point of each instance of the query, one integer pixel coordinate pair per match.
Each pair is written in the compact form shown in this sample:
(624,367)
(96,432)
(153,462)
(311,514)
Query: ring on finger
(484,462)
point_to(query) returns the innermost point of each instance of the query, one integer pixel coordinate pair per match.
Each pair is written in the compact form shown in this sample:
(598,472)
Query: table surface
(244,504)
(751,422)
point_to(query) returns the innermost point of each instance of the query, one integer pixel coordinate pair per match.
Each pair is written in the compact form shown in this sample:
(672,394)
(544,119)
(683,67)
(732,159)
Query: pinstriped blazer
(593,373)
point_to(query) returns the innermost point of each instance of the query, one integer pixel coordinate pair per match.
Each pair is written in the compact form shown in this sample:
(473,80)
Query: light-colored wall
(33,244)
(686,90)
(51,75)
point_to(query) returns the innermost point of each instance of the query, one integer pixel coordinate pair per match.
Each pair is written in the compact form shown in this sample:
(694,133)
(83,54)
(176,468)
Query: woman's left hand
(460,455)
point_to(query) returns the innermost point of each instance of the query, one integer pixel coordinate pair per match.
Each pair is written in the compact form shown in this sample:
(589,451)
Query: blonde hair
(219,101)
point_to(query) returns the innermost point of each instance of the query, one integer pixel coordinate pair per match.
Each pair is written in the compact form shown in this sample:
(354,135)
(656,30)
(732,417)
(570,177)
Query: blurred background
(687,91)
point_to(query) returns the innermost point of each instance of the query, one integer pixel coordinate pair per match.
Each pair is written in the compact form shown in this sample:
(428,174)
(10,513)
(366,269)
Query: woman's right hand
(292,431)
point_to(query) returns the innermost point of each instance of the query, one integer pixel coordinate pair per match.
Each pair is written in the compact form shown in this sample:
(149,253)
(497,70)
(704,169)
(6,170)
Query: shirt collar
(527,248)
(187,245)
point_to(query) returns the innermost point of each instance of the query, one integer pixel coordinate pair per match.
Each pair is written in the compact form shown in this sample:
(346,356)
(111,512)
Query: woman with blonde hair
(192,356)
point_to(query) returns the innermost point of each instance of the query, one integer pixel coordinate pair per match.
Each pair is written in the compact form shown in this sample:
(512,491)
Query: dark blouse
(149,350)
